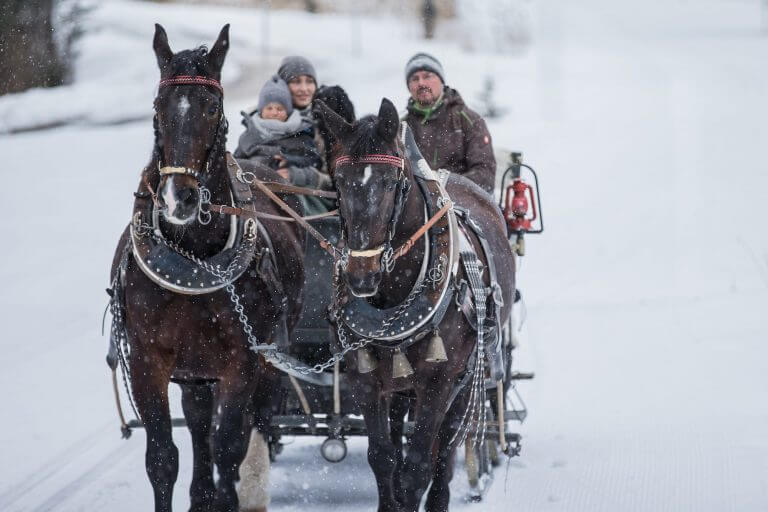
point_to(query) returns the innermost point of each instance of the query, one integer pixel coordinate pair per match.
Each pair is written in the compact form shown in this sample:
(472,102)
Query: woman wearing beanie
(277,135)
(299,73)
(301,78)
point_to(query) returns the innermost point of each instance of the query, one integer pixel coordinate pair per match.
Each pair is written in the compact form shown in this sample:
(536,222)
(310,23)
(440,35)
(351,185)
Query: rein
(271,189)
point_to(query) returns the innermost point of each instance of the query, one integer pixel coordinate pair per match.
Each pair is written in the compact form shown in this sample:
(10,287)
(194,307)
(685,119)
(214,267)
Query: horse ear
(219,50)
(162,48)
(388,122)
(337,125)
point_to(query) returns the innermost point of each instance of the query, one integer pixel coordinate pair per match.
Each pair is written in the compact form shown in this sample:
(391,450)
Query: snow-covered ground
(647,295)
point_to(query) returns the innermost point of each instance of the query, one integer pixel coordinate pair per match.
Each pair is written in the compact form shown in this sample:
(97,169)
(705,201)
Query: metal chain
(434,276)
(225,275)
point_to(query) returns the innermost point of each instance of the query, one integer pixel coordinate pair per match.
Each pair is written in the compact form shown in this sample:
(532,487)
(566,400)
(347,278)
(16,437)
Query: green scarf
(428,110)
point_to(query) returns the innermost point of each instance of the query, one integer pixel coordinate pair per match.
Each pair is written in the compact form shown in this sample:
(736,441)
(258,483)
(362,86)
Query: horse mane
(191,62)
(366,140)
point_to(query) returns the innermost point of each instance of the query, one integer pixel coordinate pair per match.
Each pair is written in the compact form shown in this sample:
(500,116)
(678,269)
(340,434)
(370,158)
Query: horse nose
(179,201)
(188,195)
(186,200)
(365,286)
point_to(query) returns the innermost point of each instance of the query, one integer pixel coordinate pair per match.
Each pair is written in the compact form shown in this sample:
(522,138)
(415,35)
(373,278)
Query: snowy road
(647,296)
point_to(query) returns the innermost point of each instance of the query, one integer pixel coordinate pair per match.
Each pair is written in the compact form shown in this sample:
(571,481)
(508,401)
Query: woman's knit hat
(424,62)
(275,91)
(294,66)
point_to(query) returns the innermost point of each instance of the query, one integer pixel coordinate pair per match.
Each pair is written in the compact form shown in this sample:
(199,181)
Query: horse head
(190,127)
(372,184)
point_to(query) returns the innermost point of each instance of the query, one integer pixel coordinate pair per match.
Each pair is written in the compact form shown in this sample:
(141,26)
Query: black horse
(196,337)
(381,208)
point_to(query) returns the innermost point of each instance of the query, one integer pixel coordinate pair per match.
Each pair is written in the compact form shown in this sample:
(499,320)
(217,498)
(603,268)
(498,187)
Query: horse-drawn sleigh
(404,329)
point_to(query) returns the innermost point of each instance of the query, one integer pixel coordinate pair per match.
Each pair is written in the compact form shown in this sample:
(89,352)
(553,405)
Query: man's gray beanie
(294,66)
(424,62)
(275,91)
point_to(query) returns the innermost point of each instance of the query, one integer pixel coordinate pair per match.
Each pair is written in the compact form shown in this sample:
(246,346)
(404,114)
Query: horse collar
(426,310)
(170,268)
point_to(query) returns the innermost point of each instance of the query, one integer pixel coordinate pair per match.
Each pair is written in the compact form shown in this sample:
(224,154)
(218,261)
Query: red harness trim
(192,80)
(372,159)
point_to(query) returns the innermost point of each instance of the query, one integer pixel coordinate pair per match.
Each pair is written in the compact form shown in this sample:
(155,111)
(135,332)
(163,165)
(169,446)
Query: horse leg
(417,468)
(382,453)
(150,393)
(440,493)
(397,412)
(231,434)
(197,401)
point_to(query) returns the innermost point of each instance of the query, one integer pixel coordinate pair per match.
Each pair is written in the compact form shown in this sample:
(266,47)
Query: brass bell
(366,362)
(400,365)
(436,349)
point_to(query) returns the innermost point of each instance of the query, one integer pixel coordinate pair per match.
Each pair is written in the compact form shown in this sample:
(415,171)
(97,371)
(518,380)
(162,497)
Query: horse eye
(213,108)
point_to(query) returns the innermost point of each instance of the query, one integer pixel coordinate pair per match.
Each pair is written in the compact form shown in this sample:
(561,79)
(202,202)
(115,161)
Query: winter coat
(451,136)
(293,139)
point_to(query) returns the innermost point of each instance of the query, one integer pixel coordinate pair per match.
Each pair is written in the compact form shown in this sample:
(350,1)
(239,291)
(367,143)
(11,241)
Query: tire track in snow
(55,500)
(51,469)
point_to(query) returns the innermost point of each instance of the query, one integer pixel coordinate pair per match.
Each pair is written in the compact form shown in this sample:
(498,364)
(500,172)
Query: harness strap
(284,188)
(408,244)
(164,171)
(242,212)
(192,80)
(371,159)
(325,244)
(151,190)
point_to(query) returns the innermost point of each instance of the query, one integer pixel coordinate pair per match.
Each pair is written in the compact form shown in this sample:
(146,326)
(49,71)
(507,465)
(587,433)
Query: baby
(278,136)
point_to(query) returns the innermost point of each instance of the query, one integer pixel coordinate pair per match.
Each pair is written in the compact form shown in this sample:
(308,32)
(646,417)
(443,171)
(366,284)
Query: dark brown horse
(195,337)
(381,207)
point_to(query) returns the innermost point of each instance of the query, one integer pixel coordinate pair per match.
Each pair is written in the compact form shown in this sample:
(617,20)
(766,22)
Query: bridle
(384,251)
(203,215)
(221,128)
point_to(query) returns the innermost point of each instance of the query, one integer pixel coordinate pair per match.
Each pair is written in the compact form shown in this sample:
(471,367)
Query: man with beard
(449,134)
